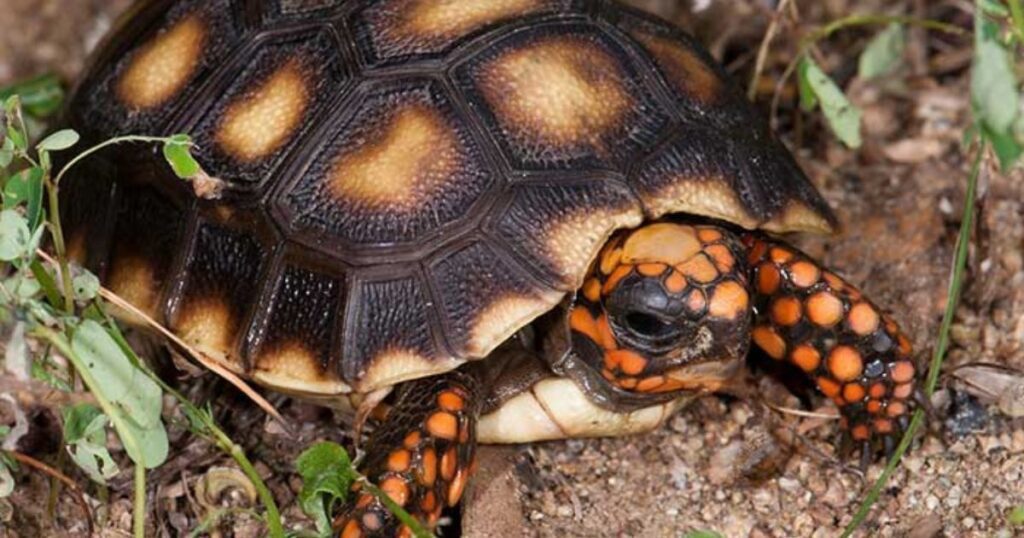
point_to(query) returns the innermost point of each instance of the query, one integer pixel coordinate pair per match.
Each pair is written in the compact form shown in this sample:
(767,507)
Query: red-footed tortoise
(407,185)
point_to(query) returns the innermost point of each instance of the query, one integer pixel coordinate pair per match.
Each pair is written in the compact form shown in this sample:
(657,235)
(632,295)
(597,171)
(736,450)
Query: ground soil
(899,198)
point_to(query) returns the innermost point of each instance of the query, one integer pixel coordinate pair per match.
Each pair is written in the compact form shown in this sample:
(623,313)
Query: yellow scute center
(562,91)
(415,153)
(164,65)
(260,122)
(458,17)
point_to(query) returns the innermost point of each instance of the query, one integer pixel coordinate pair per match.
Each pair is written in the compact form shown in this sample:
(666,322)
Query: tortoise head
(664,310)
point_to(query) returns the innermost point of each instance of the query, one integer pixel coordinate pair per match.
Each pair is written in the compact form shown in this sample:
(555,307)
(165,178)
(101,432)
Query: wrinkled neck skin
(664,314)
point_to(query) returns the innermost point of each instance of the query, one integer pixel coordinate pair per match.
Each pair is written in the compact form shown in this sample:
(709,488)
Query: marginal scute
(294,368)
(133,280)
(208,324)
(798,217)
(504,317)
(575,241)
(163,66)
(393,366)
(257,123)
(683,69)
(710,197)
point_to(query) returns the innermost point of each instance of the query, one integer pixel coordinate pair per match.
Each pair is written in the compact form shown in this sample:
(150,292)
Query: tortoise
(532,219)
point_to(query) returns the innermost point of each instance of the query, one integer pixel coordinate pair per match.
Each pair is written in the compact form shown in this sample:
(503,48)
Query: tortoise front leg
(856,355)
(421,456)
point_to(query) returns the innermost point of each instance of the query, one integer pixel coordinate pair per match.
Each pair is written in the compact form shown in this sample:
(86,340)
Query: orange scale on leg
(398,460)
(860,432)
(767,339)
(449,401)
(429,502)
(364,500)
(863,319)
(903,391)
(905,347)
(780,255)
(768,279)
(902,371)
(607,374)
(617,275)
(442,425)
(874,406)
(675,283)
(824,309)
(412,440)
(895,409)
(833,281)
(352,530)
(804,274)
(396,488)
(449,464)
(806,357)
(457,486)
(371,521)
(786,311)
(883,425)
(878,390)
(828,387)
(428,468)
(845,363)
(651,269)
(757,252)
(853,393)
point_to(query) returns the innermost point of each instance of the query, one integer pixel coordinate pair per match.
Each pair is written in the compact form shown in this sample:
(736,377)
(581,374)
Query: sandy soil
(899,199)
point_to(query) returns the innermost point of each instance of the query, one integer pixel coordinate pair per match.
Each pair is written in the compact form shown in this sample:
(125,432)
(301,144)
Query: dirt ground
(899,199)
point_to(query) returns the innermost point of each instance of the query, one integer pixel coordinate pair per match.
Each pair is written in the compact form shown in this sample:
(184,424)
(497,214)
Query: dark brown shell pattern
(408,183)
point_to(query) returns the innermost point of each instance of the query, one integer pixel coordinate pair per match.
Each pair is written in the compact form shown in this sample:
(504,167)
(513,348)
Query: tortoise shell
(407,183)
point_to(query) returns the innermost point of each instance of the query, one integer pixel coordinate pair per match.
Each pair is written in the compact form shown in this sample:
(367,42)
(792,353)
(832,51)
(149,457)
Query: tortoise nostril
(647,325)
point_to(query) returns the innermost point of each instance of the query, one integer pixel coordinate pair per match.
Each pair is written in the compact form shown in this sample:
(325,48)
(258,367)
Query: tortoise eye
(647,325)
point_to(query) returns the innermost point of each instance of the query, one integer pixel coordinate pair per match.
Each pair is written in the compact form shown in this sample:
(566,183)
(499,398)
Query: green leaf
(6,480)
(86,286)
(58,141)
(994,86)
(177,152)
(86,436)
(842,116)
(26,187)
(327,475)
(41,96)
(48,283)
(1016,516)
(702,534)
(1008,150)
(6,152)
(808,101)
(994,7)
(135,396)
(15,237)
(883,54)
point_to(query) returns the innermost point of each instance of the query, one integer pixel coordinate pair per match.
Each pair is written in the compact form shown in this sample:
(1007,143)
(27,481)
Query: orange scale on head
(630,362)
(780,255)
(628,383)
(675,283)
(806,357)
(696,302)
(845,363)
(786,311)
(699,269)
(607,374)
(729,300)
(768,279)
(902,371)
(592,290)
(606,338)
(824,309)
(722,257)
(651,269)
(649,384)
(767,339)
(610,260)
(582,322)
(708,235)
(617,275)
(853,393)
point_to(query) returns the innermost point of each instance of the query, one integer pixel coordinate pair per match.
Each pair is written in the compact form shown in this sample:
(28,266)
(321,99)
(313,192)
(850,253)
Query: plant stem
(57,234)
(870,20)
(1017,15)
(139,503)
(952,299)
(274,526)
(62,344)
(105,144)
